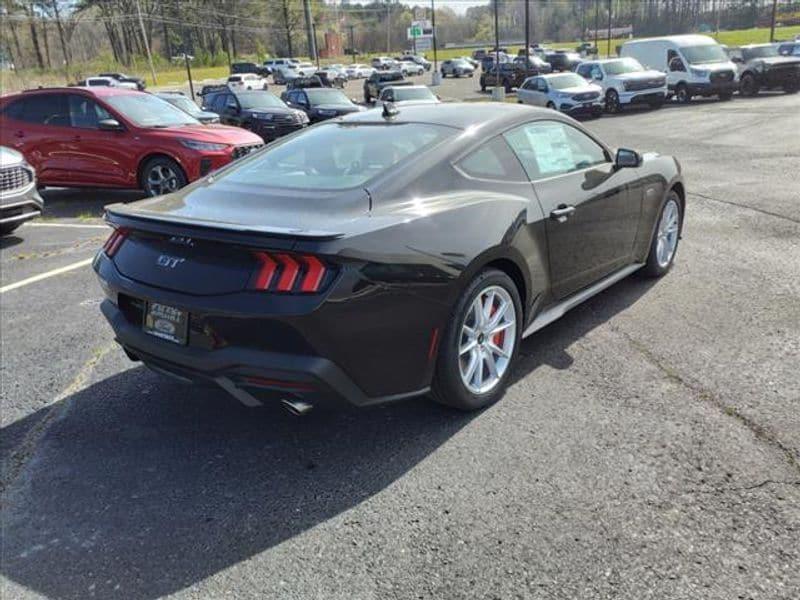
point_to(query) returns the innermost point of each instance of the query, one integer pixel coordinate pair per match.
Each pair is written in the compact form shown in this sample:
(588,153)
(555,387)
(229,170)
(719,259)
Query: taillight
(286,273)
(114,241)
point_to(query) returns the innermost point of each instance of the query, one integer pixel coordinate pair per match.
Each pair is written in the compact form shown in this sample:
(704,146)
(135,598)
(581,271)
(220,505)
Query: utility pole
(147,44)
(772,23)
(388,28)
(312,42)
(186,60)
(527,37)
(496,93)
(314,32)
(352,44)
(608,50)
(596,25)
(436,77)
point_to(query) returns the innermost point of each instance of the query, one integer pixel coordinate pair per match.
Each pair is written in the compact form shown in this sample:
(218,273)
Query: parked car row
(650,71)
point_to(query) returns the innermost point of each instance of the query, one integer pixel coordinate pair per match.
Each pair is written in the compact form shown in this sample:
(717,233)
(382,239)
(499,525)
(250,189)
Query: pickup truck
(381,79)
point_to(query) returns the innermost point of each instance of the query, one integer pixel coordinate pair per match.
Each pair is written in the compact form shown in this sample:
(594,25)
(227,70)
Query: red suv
(112,137)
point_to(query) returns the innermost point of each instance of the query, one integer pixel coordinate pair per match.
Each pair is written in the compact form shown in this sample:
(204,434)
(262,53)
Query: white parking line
(78,225)
(41,276)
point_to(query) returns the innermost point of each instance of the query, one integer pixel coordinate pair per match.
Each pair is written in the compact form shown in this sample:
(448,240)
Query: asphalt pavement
(649,446)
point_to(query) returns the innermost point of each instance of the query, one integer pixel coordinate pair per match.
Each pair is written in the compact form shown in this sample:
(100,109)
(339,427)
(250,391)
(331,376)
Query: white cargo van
(695,65)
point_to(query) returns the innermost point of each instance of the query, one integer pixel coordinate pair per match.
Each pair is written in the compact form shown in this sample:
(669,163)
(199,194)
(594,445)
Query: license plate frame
(166,322)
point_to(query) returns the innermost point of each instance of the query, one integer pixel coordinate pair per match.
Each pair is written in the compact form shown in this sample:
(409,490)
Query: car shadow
(550,346)
(80,203)
(9,241)
(143,487)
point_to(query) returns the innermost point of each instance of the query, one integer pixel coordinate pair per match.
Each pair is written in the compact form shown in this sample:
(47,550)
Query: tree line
(56,34)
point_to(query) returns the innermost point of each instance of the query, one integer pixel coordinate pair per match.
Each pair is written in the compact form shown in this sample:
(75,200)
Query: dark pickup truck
(511,76)
(381,79)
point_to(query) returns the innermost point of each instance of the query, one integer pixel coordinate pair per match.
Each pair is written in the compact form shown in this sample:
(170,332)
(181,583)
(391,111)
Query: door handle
(562,213)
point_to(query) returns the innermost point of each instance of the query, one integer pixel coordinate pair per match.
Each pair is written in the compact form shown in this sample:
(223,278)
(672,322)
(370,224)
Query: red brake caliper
(498,337)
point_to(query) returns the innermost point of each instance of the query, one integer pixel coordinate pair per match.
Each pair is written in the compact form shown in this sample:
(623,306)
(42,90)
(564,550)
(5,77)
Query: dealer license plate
(167,322)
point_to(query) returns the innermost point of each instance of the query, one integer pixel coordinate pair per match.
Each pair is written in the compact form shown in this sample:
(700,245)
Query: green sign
(416,31)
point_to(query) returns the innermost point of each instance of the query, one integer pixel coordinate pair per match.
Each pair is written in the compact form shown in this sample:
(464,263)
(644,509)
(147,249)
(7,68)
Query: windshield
(326,96)
(567,80)
(707,53)
(336,155)
(624,65)
(759,52)
(184,104)
(148,111)
(255,100)
(401,94)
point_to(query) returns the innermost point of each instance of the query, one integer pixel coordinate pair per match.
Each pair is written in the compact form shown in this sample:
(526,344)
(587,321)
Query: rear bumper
(364,351)
(247,369)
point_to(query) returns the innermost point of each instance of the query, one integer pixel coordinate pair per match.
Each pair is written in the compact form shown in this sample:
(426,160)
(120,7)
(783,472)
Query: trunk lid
(201,240)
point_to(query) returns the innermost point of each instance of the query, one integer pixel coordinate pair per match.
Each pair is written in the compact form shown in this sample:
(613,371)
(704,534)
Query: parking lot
(649,446)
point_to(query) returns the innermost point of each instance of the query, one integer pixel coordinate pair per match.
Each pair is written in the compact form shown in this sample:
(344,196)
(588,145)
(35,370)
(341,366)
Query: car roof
(748,46)
(461,115)
(100,91)
(678,40)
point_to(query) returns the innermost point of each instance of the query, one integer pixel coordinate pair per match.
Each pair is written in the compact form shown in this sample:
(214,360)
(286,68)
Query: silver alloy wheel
(161,180)
(667,239)
(487,339)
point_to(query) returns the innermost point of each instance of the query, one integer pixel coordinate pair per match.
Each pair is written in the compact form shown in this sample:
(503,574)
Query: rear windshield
(759,52)
(336,156)
(401,94)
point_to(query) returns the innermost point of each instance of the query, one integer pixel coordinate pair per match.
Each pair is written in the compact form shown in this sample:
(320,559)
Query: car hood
(779,60)
(581,89)
(639,75)
(715,66)
(222,134)
(295,213)
(9,157)
(277,110)
(342,108)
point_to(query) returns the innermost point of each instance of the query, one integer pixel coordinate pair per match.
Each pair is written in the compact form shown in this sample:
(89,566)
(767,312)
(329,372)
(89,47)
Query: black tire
(792,88)
(164,163)
(612,102)
(725,97)
(652,267)
(483,85)
(444,74)
(748,86)
(8,228)
(448,387)
(656,104)
(508,87)
(682,94)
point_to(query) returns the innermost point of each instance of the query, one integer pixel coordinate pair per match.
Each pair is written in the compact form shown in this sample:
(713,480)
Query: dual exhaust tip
(298,408)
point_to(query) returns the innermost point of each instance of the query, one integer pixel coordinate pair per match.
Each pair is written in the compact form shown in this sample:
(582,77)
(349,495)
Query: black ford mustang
(385,254)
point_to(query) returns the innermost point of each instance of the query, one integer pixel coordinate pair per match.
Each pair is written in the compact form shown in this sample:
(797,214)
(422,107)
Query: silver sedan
(566,92)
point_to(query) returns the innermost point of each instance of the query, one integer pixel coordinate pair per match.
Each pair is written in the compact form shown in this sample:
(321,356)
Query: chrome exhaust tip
(297,407)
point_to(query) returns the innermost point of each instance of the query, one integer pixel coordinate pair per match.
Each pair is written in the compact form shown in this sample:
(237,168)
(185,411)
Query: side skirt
(556,311)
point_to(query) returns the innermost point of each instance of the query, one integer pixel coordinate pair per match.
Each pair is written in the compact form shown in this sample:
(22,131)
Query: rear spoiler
(121,216)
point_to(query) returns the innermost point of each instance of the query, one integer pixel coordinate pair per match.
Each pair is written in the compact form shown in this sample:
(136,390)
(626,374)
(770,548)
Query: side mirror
(627,159)
(110,125)
(738,60)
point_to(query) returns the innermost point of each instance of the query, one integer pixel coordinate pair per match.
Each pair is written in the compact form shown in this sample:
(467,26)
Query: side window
(493,160)
(596,72)
(218,103)
(85,113)
(541,85)
(584,70)
(42,109)
(550,148)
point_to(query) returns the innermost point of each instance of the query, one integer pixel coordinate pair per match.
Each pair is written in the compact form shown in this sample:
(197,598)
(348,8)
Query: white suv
(246,82)
(625,81)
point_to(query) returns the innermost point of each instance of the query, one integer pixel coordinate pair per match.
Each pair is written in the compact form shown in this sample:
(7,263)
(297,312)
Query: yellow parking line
(41,276)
